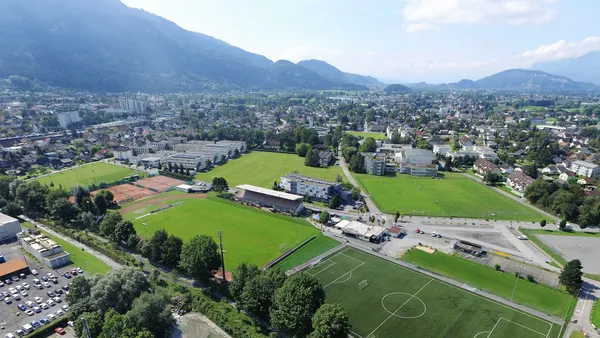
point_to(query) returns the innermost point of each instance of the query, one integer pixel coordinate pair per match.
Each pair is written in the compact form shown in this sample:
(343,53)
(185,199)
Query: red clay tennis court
(125,193)
(159,183)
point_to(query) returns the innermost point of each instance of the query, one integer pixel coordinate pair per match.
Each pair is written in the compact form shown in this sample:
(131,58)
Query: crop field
(365,134)
(249,235)
(264,168)
(453,196)
(93,173)
(385,300)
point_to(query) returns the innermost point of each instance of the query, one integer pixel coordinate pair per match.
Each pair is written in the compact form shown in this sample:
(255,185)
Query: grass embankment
(527,293)
(88,174)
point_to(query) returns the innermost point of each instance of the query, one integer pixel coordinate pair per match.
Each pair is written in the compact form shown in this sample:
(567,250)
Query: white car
(51,302)
(59,312)
(24,293)
(56,299)
(29,303)
(65,308)
(34,272)
(1,283)
(44,306)
(50,275)
(46,284)
(51,316)
(19,287)
(26,286)
(37,299)
(29,313)
(37,309)
(523,237)
(36,281)
(16,296)
(13,290)
(39,286)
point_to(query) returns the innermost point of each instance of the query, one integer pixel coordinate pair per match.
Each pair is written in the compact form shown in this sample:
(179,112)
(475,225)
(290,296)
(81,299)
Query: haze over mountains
(103,45)
(585,68)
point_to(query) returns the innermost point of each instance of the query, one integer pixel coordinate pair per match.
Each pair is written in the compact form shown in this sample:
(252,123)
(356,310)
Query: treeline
(294,306)
(351,151)
(567,200)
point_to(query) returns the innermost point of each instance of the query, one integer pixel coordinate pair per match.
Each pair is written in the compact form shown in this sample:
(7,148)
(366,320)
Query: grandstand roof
(358,228)
(264,191)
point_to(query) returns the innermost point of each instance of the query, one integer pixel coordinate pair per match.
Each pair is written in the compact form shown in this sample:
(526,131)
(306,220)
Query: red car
(74,272)
(59,330)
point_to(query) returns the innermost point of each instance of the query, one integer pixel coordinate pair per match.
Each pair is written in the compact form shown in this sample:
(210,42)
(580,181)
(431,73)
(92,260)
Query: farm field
(365,134)
(385,300)
(264,168)
(454,196)
(249,234)
(533,295)
(85,175)
(79,258)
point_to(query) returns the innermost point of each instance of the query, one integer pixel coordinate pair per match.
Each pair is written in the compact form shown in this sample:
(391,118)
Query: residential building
(374,163)
(567,176)
(325,158)
(132,105)
(483,166)
(519,181)
(485,152)
(586,169)
(65,119)
(415,156)
(151,162)
(419,169)
(44,249)
(188,161)
(309,186)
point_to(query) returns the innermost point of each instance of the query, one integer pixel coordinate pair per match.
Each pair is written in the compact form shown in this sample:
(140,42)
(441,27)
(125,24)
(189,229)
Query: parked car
(15,278)
(24,293)
(59,312)
(20,332)
(56,299)
(51,317)
(13,290)
(22,307)
(46,284)
(36,281)
(22,275)
(19,287)
(29,303)
(58,292)
(44,320)
(35,324)
(39,286)
(1,285)
(37,299)
(7,281)
(79,270)
(65,308)
(523,237)
(7,300)
(44,306)
(60,330)
(34,272)
(50,275)
(45,278)
(16,296)
(26,286)
(51,294)
(67,275)
(74,272)
(54,280)
(51,302)
(65,287)
(37,309)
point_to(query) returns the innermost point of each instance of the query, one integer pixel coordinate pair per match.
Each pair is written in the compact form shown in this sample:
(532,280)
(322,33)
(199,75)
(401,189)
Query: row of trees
(119,304)
(294,306)
(567,201)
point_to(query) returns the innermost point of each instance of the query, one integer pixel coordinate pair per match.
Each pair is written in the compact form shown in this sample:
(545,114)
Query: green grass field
(402,303)
(85,175)
(249,234)
(365,134)
(454,196)
(312,249)
(530,294)
(263,168)
(79,258)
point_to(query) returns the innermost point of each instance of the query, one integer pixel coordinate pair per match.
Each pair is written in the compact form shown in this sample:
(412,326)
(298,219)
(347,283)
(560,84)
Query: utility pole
(85,328)
(222,255)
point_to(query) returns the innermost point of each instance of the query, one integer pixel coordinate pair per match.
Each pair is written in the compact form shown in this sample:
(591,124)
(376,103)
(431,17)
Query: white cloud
(563,50)
(304,52)
(418,27)
(514,12)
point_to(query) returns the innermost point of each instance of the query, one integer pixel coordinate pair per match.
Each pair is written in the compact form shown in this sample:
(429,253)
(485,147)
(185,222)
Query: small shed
(184,188)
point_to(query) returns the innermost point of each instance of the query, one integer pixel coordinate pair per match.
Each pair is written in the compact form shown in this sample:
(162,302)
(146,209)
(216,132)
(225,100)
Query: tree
(491,177)
(498,267)
(368,146)
(295,303)
(123,231)
(103,200)
(330,321)
(171,252)
(324,217)
(152,248)
(151,311)
(93,321)
(109,224)
(355,193)
(236,153)
(335,202)
(219,184)
(543,223)
(117,290)
(79,193)
(115,326)
(357,163)
(32,196)
(563,224)
(338,178)
(313,159)
(62,210)
(258,294)
(55,195)
(571,275)
(199,257)
(396,216)
(241,275)
(88,220)
(302,149)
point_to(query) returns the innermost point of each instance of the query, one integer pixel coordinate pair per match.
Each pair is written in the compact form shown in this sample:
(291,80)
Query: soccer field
(263,168)
(397,302)
(453,196)
(87,174)
(249,235)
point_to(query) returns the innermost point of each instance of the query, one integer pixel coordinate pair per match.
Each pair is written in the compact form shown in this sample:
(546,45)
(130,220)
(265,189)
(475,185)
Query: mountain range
(103,45)
(585,68)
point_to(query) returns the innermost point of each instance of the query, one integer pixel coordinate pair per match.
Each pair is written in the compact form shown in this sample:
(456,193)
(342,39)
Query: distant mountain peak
(583,68)
(331,72)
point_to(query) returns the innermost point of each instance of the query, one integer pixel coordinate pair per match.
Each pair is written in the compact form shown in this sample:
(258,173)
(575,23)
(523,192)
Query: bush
(498,267)
(48,329)
(530,278)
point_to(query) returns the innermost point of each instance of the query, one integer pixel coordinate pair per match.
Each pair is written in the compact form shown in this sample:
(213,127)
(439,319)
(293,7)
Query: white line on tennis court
(489,334)
(394,313)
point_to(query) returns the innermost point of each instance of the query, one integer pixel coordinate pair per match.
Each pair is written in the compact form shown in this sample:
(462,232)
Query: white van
(27,328)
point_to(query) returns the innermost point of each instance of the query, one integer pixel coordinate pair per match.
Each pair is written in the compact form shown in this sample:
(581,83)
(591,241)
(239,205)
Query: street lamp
(518,274)
(145,231)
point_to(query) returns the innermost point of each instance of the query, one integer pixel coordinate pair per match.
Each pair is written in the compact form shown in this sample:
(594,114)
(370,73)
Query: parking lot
(41,292)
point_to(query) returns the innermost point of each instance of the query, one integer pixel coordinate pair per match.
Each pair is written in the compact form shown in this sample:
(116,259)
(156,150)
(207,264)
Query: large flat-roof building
(45,249)
(374,163)
(277,200)
(190,161)
(370,233)
(9,227)
(586,169)
(309,186)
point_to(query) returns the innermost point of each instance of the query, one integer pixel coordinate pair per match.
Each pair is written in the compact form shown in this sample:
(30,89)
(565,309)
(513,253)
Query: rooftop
(12,266)
(301,178)
(4,219)
(264,191)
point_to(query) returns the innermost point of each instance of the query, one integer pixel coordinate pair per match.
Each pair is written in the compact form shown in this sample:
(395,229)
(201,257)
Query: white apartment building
(586,169)
(415,156)
(441,149)
(309,186)
(485,152)
(188,161)
(65,119)
(132,105)
(45,249)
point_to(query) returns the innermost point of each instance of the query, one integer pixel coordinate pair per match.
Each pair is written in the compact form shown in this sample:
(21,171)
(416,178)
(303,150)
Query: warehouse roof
(278,194)
(4,219)
(12,266)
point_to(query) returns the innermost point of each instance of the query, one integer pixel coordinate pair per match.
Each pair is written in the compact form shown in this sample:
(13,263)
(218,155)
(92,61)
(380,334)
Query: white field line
(332,263)
(394,313)
(358,266)
(356,334)
(356,259)
(528,328)
(489,334)
(551,325)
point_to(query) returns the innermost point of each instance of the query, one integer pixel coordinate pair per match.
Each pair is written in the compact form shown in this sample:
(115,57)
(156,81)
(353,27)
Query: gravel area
(196,325)
(586,249)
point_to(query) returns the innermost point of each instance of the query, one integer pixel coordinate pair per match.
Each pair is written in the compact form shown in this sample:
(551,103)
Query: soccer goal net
(363,284)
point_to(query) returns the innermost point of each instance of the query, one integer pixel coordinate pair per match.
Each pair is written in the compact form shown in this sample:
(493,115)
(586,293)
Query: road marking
(394,313)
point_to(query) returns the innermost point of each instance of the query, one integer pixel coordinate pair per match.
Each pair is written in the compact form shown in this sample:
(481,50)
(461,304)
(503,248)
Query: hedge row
(48,329)
(176,176)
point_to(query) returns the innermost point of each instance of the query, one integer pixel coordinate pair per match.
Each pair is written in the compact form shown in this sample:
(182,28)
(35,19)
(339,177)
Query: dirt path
(157,199)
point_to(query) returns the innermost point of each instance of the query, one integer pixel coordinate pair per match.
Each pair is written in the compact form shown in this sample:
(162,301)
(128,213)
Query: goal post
(363,284)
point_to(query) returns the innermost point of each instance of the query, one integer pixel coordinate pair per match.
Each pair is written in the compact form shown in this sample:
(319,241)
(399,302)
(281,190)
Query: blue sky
(397,40)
